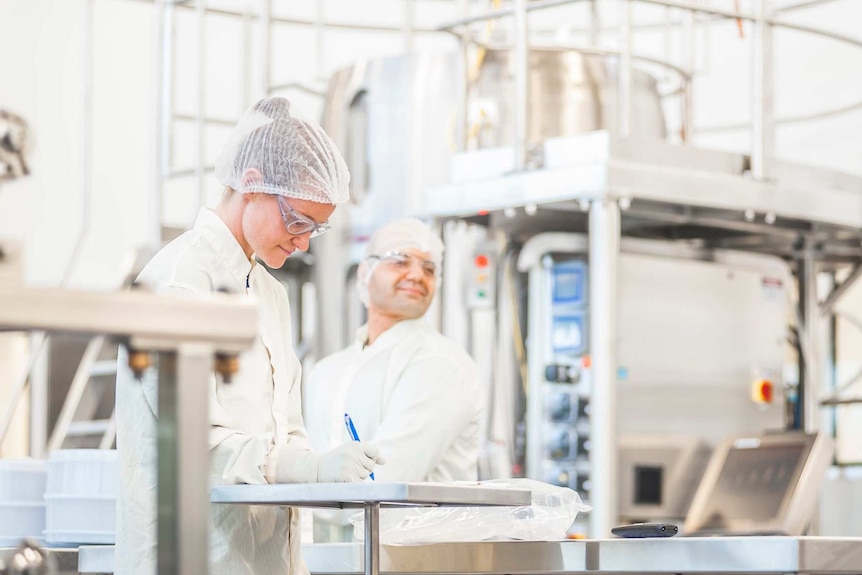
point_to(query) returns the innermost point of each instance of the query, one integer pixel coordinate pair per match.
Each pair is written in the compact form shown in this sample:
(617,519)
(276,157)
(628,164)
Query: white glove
(351,461)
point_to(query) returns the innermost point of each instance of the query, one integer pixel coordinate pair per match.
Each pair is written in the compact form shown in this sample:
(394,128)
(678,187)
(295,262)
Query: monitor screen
(753,485)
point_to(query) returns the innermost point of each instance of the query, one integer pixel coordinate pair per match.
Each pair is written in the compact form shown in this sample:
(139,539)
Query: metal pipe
(462,110)
(808,320)
(521,56)
(304,22)
(798,5)
(372,535)
(188,172)
(298,86)
(538,328)
(816,31)
(790,120)
(206,119)
(832,299)
(183,460)
(266,42)
(702,8)
(762,127)
(624,80)
(502,13)
(689,39)
(200,120)
(589,51)
(247,57)
(319,30)
(155,204)
(164,109)
(604,242)
(409,22)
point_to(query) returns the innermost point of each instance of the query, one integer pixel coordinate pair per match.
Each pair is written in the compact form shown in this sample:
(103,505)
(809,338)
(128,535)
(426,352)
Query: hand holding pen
(351,430)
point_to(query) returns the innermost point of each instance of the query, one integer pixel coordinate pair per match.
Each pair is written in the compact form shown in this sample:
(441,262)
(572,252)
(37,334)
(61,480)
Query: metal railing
(763,119)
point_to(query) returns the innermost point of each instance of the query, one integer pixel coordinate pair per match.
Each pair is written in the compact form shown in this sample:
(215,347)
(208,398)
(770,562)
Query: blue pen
(348,423)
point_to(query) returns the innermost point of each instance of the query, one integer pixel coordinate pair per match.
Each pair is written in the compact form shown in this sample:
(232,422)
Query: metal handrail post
(690,40)
(624,80)
(200,119)
(266,40)
(520,56)
(319,32)
(163,111)
(409,24)
(762,106)
(462,110)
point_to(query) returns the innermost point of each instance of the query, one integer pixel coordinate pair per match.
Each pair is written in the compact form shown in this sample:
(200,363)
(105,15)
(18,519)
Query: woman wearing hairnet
(284,178)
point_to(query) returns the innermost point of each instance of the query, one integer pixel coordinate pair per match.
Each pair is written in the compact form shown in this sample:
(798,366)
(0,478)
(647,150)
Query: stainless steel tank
(568,93)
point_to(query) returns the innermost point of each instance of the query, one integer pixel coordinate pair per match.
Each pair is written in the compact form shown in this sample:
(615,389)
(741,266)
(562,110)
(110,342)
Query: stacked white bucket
(22,504)
(81,496)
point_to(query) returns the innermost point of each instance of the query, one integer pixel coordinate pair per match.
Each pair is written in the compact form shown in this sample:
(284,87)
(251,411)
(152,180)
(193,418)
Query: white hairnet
(395,236)
(294,158)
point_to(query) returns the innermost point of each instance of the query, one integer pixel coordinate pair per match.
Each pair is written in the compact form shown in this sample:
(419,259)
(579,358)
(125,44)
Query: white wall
(44,85)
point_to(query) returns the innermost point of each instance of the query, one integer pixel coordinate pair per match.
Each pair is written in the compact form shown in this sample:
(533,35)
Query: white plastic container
(81,496)
(88,472)
(78,519)
(22,480)
(20,521)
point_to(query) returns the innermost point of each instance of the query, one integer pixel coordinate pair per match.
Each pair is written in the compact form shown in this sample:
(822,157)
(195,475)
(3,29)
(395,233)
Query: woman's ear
(251,178)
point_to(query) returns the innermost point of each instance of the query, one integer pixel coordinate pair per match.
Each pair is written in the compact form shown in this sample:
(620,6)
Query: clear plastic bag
(552,512)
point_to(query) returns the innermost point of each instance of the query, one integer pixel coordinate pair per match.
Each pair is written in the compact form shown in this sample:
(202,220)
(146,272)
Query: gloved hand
(351,461)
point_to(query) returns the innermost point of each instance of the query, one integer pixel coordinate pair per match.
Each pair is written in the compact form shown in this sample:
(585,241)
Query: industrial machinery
(665,302)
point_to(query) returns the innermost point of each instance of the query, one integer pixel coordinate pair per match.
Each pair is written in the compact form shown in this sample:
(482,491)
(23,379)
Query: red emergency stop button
(762,391)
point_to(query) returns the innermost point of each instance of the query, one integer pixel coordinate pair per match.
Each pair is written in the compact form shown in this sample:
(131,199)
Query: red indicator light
(481,261)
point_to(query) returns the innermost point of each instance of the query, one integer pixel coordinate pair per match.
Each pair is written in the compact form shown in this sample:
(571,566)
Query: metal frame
(187,335)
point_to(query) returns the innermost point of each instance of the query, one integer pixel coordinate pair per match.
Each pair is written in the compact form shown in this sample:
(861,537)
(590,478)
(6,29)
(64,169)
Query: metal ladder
(76,417)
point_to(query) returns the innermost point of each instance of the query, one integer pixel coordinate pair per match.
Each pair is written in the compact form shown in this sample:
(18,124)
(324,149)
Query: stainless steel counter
(764,555)
(371,496)
(347,495)
(683,555)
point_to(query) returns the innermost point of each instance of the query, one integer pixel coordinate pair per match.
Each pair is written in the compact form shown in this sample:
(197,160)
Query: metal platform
(665,192)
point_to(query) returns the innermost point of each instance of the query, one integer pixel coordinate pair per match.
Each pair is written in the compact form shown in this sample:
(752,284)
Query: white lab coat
(413,392)
(256,419)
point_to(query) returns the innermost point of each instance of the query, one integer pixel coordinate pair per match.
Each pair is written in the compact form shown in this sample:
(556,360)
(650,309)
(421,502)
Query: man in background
(408,389)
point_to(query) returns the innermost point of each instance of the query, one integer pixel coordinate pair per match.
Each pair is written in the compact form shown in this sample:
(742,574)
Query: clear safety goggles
(297,224)
(401,261)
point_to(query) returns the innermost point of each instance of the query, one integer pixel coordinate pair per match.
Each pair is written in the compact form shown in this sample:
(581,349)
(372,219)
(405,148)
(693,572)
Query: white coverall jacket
(413,392)
(256,419)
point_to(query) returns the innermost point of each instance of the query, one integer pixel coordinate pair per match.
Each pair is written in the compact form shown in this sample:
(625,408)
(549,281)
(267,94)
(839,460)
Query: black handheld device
(645,530)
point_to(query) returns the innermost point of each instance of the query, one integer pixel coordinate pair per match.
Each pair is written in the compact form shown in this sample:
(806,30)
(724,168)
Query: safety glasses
(402,261)
(297,224)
